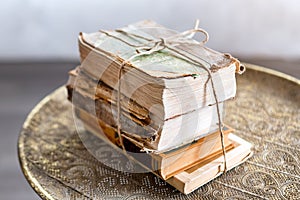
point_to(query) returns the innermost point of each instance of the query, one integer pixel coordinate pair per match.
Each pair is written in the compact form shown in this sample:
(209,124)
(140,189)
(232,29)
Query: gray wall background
(48,29)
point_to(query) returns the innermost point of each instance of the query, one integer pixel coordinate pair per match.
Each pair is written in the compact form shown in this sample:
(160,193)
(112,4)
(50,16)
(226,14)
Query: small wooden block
(195,177)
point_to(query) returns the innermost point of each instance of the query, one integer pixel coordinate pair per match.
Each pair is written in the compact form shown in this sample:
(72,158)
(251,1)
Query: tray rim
(33,182)
(272,72)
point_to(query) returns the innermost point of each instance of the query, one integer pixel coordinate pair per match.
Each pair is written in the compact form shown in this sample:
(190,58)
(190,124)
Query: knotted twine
(155,45)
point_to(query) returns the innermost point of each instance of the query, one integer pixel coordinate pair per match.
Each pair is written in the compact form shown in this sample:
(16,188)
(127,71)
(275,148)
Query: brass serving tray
(265,112)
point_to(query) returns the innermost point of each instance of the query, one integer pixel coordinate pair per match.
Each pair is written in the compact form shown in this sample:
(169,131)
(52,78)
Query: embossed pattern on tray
(265,112)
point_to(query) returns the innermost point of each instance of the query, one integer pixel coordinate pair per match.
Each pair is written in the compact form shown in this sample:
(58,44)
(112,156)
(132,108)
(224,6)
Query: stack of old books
(162,101)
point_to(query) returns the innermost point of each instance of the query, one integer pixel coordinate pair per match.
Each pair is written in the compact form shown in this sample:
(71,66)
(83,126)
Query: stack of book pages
(162,102)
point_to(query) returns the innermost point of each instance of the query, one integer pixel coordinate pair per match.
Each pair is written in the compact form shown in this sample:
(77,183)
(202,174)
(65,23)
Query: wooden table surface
(23,85)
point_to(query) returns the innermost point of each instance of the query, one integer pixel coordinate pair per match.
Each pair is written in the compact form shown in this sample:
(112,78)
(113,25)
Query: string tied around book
(171,43)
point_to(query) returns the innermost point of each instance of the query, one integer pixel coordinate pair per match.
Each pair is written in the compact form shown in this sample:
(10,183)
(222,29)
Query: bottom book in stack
(186,168)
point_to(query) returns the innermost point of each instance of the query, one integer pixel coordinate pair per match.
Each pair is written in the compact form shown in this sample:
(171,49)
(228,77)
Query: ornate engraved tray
(266,112)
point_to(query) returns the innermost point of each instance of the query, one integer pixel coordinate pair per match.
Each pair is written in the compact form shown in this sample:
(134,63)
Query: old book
(162,88)
(176,131)
(160,75)
(166,164)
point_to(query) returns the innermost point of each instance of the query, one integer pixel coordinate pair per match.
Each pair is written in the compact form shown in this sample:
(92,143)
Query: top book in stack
(163,91)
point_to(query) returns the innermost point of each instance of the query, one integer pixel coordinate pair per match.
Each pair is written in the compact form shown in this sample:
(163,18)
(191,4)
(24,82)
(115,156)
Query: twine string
(154,45)
(119,128)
